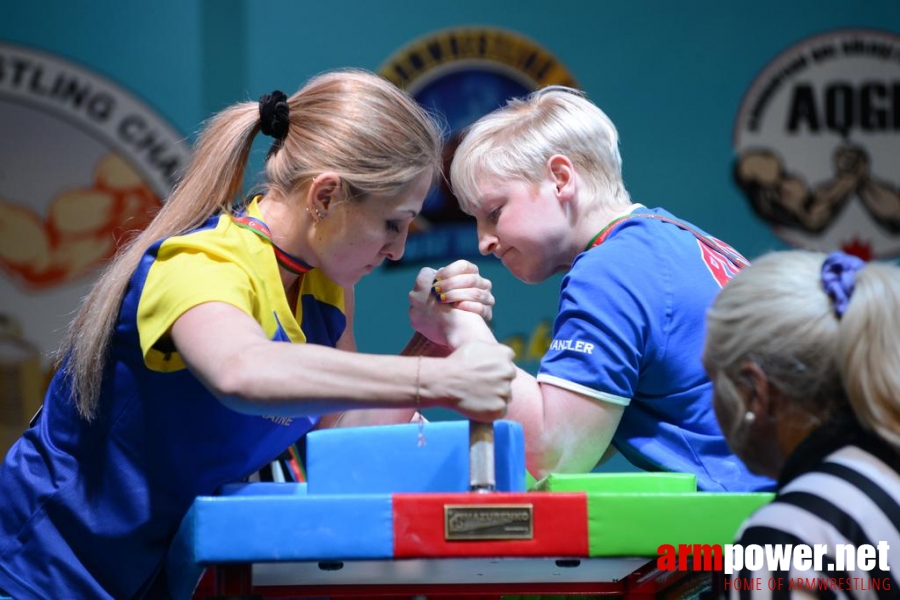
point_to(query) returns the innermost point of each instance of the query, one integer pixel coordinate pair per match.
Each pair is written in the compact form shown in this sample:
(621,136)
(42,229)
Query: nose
(487,241)
(395,248)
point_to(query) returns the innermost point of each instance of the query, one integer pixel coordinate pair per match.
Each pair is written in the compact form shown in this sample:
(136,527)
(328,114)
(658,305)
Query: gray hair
(776,314)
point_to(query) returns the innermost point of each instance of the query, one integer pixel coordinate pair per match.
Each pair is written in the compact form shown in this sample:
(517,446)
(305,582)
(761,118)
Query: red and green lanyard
(288,261)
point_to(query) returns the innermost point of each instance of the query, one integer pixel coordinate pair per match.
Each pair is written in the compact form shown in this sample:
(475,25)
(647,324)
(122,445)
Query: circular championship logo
(817,141)
(83,164)
(462,74)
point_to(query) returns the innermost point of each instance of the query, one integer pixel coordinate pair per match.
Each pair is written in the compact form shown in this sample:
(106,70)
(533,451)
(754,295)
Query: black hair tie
(274,115)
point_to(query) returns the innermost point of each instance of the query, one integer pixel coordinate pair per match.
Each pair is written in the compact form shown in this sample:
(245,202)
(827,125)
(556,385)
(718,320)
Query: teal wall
(670,74)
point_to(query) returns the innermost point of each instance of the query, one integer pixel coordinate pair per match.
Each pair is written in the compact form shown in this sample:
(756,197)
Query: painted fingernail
(437,289)
(443,297)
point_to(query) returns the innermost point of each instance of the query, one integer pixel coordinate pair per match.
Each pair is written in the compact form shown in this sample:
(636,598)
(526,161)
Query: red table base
(235,582)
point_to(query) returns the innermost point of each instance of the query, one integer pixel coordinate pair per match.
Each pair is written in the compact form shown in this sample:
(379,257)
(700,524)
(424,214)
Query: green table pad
(637,524)
(618,482)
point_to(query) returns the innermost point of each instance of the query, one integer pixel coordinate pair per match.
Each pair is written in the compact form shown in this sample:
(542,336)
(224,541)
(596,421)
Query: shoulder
(218,235)
(641,236)
(217,249)
(319,286)
(783,522)
(845,497)
(637,249)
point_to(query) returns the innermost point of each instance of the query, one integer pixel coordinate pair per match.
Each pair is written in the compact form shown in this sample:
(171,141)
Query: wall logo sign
(817,143)
(83,162)
(462,74)
(81,157)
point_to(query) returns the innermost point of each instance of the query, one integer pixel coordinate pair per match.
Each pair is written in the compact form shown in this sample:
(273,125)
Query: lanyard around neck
(287,261)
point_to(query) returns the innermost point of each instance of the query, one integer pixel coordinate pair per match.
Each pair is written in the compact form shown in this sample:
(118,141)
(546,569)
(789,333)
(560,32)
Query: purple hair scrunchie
(839,279)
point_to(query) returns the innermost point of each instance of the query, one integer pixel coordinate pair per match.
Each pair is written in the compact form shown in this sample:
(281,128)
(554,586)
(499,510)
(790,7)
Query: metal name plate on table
(488,522)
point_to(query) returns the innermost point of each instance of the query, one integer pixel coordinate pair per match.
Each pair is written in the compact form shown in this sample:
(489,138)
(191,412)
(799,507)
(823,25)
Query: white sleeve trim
(585,391)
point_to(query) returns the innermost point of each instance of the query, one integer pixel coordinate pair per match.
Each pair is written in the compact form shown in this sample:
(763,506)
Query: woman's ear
(562,173)
(323,192)
(758,390)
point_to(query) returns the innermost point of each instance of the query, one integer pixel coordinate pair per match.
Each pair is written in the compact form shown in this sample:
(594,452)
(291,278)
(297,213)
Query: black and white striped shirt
(841,486)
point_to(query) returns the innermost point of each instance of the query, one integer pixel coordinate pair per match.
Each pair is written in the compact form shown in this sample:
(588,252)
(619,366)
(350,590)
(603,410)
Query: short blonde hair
(514,142)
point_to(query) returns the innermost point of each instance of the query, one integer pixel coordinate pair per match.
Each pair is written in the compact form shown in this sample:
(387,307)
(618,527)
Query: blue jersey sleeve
(603,327)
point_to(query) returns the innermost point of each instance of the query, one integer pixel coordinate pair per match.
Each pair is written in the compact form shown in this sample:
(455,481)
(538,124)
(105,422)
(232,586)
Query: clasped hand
(443,301)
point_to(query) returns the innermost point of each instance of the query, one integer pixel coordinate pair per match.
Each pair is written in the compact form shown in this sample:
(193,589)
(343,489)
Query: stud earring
(316,214)
(749,417)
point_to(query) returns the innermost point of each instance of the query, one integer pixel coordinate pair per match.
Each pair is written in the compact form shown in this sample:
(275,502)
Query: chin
(530,277)
(344,279)
(518,275)
(529,280)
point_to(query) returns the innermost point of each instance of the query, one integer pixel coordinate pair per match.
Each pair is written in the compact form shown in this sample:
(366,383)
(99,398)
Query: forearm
(527,409)
(468,327)
(418,345)
(565,432)
(252,374)
(305,379)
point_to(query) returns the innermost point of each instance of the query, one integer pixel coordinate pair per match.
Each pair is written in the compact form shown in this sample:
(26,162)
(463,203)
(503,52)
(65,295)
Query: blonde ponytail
(212,181)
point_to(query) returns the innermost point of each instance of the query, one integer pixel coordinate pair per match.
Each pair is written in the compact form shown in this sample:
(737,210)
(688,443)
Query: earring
(317,214)
(749,417)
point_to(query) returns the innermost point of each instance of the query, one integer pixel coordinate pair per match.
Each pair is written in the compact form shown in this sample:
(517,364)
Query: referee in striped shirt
(804,353)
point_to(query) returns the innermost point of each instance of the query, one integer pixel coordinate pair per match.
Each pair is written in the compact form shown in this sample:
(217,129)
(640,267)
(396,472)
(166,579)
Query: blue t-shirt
(88,510)
(630,330)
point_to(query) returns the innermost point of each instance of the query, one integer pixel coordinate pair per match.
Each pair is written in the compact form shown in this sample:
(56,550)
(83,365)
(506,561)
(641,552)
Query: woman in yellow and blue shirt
(175,378)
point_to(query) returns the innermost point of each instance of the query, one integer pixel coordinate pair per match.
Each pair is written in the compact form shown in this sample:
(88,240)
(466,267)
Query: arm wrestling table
(381,518)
